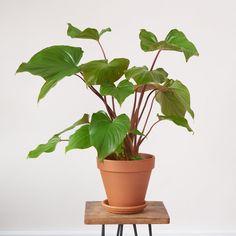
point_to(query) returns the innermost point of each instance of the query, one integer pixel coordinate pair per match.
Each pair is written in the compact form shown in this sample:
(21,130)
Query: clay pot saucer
(123,210)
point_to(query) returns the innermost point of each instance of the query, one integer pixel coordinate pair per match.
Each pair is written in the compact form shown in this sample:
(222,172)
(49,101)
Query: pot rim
(122,166)
(146,156)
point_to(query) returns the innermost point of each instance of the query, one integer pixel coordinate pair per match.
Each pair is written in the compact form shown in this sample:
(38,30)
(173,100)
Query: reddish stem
(109,110)
(145,124)
(139,104)
(155,59)
(148,132)
(113,104)
(145,104)
(143,90)
(103,52)
(136,115)
(134,106)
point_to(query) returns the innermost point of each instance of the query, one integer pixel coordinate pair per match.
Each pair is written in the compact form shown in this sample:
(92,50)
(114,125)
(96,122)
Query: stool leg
(103,230)
(118,231)
(121,230)
(135,230)
(150,229)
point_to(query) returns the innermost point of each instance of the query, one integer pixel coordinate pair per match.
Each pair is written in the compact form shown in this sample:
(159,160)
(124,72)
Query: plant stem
(131,145)
(139,104)
(64,140)
(148,132)
(136,115)
(113,104)
(80,77)
(132,136)
(109,110)
(155,59)
(104,55)
(134,105)
(103,52)
(105,99)
(145,124)
(145,104)
(127,150)
(141,97)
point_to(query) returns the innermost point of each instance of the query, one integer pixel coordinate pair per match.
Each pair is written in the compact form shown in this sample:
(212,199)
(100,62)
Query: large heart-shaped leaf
(176,100)
(142,75)
(101,72)
(121,92)
(105,134)
(148,40)
(47,147)
(181,121)
(174,41)
(80,139)
(53,64)
(88,33)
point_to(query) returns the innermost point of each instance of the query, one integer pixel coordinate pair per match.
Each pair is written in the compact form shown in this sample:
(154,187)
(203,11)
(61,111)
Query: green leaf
(177,41)
(137,132)
(101,72)
(176,100)
(148,40)
(136,158)
(88,33)
(83,120)
(106,134)
(119,150)
(142,75)
(51,144)
(45,88)
(53,64)
(181,121)
(121,92)
(80,139)
(174,41)
(47,147)
(104,31)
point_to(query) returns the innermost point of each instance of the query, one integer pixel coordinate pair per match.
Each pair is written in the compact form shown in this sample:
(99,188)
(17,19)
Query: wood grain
(154,213)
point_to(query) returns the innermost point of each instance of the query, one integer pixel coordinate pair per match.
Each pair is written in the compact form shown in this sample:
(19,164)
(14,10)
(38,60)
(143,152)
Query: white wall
(195,174)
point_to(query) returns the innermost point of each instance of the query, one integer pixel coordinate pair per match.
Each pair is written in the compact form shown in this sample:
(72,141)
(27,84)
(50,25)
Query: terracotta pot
(126,183)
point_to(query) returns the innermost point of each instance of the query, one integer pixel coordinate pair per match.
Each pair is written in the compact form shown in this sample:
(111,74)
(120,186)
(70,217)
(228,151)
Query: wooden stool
(154,213)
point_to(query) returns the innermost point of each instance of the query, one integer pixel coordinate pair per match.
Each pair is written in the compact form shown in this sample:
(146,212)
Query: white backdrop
(195,175)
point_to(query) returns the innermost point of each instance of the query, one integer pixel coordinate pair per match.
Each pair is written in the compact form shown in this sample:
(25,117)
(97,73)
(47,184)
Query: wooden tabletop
(154,213)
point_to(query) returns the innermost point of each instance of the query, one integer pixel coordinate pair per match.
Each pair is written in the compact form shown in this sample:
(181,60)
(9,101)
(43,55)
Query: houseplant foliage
(115,136)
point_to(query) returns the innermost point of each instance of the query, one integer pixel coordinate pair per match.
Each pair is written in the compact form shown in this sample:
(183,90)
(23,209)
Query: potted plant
(117,137)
